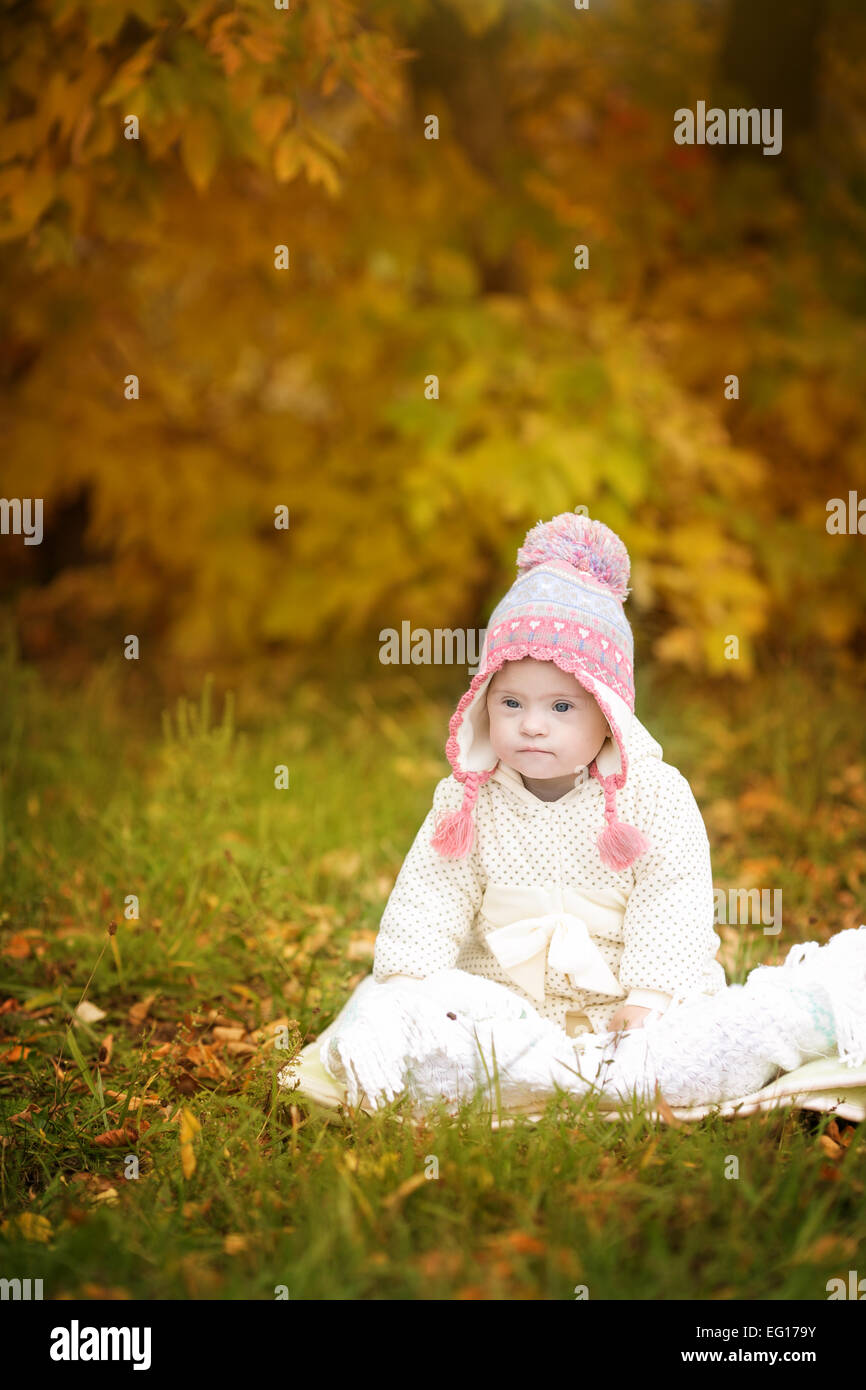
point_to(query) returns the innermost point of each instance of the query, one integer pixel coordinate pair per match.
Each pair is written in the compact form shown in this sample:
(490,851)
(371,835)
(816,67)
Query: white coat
(581,939)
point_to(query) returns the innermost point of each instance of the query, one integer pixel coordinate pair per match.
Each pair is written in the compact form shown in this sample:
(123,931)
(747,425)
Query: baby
(563,857)
(553,919)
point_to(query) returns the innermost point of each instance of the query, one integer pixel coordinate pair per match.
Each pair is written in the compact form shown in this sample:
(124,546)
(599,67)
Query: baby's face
(542,721)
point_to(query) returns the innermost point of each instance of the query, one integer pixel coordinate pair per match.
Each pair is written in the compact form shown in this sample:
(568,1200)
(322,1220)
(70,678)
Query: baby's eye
(563,705)
(510,701)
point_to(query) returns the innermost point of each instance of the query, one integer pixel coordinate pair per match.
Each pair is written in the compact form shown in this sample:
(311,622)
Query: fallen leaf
(235,1244)
(830,1147)
(138,1012)
(18,1053)
(105,1050)
(844,1136)
(136,1101)
(522,1243)
(228,1034)
(89,1013)
(245,992)
(29,1225)
(826,1248)
(117,1138)
(23,1116)
(109,1195)
(17,947)
(189,1128)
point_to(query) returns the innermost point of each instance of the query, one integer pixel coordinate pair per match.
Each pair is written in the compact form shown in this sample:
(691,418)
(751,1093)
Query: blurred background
(304,387)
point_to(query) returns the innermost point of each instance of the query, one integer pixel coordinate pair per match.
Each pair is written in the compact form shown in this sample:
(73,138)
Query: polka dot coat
(653,923)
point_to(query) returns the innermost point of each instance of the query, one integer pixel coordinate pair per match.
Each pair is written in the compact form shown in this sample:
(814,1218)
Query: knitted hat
(566,607)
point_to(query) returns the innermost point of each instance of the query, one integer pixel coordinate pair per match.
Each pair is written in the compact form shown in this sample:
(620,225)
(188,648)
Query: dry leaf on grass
(30,1226)
(189,1128)
(88,1013)
(138,1012)
(22,1116)
(826,1249)
(117,1138)
(17,947)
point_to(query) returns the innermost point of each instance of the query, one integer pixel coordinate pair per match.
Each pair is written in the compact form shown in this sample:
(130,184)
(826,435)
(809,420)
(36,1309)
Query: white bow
(559,939)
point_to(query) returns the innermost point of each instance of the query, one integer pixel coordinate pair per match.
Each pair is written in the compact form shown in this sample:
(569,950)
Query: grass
(257,909)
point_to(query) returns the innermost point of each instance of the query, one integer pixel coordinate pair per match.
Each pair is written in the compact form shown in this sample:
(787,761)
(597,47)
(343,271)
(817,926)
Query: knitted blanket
(436,1040)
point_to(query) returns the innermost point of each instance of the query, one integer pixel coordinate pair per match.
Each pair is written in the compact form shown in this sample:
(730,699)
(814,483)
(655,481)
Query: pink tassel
(619,844)
(455,832)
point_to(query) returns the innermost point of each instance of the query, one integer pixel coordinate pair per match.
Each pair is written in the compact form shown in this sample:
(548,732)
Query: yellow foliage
(310,388)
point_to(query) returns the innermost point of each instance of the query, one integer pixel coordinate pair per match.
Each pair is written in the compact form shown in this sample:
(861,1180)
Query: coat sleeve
(433,903)
(669,941)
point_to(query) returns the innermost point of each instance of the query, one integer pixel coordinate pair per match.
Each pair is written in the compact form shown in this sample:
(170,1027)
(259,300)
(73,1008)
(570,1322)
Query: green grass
(254,907)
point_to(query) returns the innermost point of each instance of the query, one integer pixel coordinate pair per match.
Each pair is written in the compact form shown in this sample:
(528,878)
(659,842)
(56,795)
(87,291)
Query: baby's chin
(541,765)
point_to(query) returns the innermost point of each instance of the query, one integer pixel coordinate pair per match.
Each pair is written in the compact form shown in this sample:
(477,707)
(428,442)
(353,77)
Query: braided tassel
(455,830)
(618,844)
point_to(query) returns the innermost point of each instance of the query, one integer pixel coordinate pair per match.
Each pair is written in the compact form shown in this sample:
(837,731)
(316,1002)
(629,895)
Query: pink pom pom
(588,545)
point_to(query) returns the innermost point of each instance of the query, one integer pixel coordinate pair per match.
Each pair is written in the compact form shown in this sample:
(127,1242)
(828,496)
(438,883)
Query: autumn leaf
(138,1012)
(89,1013)
(288,153)
(17,947)
(117,1138)
(189,1128)
(23,1116)
(30,1226)
(200,144)
(228,1034)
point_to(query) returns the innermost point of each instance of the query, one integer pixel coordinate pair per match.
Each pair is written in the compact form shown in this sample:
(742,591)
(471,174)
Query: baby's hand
(628,1016)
